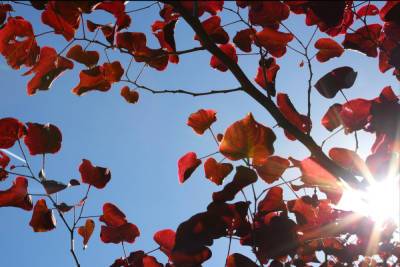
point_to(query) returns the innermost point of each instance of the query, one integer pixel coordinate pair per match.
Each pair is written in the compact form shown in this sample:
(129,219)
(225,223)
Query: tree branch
(263,100)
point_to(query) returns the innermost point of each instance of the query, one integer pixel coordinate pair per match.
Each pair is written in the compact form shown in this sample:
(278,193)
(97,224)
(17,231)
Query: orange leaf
(328,48)
(86,231)
(247,139)
(201,120)
(273,201)
(187,164)
(272,168)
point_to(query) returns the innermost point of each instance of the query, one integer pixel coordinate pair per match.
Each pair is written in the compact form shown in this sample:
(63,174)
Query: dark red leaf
(291,114)
(10,131)
(42,219)
(267,80)
(4,8)
(63,207)
(268,13)
(88,58)
(164,31)
(17,195)
(244,39)
(354,114)
(243,177)
(213,28)
(331,119)
(99,78)
(137,259)
(187,164)
(130,96)
(18,44)
(328,48)
(63,17)
(274,41)
(228,50)
(117,8)
(117,228)
(51,186)
(155,58)
(216,172)
(74,182)
(367,10)
(272,168)
(238,260)
(131,41)
(334,81)
(390,12)
(201,120)
(43,138)
(273,201)
(49,67)
(212,7)
(4,161)
(364,40)
(247,139)
(94,175)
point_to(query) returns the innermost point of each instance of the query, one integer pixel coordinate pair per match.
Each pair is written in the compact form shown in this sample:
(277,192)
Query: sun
(380,201)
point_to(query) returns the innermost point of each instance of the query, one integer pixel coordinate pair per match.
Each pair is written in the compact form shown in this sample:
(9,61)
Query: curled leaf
(86,231)
(187,164)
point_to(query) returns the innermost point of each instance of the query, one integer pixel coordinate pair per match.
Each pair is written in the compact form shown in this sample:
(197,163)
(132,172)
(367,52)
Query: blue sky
(141,143)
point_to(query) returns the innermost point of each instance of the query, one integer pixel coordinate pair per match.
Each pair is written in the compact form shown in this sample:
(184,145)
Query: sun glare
(381,201)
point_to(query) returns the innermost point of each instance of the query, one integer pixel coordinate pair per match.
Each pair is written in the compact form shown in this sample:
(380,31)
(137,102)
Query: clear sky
(141,143)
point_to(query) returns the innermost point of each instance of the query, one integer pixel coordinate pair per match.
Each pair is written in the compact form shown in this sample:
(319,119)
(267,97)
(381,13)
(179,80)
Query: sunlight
(381,201)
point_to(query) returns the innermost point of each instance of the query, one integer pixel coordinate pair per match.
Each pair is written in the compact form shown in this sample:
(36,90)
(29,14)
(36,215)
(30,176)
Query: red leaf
(354,114)
(18,44)
(42,219)
(108,30)
(137,258)
(166,240)
(239,260)
(117,8)
(243,177)
(273,201)
(117,228)
(4,161)
(364,40)
(86,231)
(247,139)
(201,120)
(155,58)
(164,31)
(350,160)
(187,164)
(332,17)
(43,138)
(131,41)
(272,168)
(4,8)
(99,78)
(313,174)
(94,175)
(331,119)
(268,13)
(328,48)
(367,10)
(213,28)
(47,69)
(212,7)
(271,69)
(228,50)
(88,58)
(130,96)
(244,39)
(274,41)
(334,81)
(10,131)
(390,12)
(17,195)
(63,17)
(216,172)
(291,114)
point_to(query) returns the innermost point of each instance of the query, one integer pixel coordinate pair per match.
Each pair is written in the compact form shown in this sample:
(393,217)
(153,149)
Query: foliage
(279,232)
